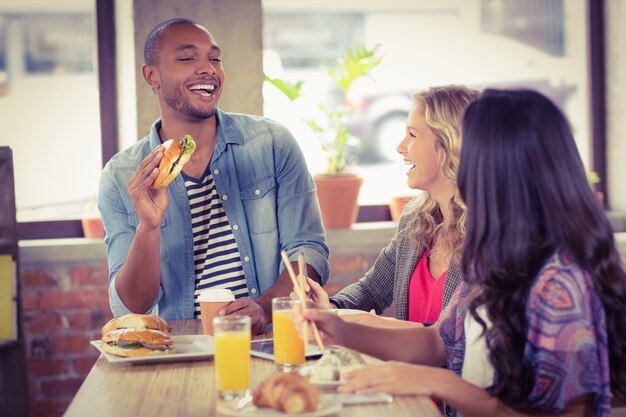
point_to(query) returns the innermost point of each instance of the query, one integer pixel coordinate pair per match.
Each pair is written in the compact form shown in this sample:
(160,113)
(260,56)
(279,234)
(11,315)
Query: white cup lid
(216,294)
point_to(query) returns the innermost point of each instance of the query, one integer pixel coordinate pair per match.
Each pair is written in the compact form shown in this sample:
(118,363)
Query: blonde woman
(419,270)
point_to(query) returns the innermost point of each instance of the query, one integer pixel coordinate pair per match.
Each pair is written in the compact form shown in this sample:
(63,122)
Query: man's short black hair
(152,47)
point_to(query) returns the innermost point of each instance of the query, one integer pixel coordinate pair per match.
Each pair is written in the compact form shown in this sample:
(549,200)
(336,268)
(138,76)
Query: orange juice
(232,361)
(288,346)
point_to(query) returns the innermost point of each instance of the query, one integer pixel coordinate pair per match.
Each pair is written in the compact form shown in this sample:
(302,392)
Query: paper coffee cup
(211,301)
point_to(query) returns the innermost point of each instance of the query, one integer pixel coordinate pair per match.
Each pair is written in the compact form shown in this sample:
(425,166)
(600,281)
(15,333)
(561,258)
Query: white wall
(616,102)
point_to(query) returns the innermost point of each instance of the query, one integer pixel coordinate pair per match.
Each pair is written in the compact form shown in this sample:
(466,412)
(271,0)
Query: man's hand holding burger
(148,186)
(150,203)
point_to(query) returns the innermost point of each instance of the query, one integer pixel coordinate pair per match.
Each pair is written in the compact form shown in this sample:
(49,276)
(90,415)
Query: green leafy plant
(593,178)
(333,133)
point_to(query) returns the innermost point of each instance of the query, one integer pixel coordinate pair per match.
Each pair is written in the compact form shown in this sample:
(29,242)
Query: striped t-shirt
(215,253)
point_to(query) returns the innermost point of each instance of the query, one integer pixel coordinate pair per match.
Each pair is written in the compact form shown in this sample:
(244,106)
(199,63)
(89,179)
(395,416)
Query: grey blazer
(388,279)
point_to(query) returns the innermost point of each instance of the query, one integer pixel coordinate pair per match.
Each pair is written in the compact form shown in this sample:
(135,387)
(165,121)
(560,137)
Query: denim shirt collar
(227,132)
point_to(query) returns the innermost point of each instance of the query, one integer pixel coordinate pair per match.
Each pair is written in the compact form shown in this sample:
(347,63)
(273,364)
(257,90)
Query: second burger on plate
(137,335)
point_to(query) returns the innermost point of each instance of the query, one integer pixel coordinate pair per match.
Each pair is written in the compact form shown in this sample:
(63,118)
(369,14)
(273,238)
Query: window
(488,43)
(50,104)
(309,40)
(561,34)
(57,44)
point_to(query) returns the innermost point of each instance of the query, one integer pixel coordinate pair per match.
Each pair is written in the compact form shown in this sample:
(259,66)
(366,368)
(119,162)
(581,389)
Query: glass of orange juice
(231,335)
(288,346)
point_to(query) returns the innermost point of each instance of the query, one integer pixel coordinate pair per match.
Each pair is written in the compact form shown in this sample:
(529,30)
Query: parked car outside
(381,104)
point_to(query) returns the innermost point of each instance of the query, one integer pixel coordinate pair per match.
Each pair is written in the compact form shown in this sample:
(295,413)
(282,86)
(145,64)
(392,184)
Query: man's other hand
(247,307)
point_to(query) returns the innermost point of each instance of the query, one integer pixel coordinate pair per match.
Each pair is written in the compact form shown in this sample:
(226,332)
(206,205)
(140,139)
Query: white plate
(188,348)
(328,405)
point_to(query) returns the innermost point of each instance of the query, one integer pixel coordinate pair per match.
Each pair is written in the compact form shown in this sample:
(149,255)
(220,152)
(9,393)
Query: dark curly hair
(527,195)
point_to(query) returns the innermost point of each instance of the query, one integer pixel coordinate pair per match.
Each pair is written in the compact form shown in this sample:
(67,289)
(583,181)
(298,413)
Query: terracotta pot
(338,196)
(600,198)
(397,205)
(92,227)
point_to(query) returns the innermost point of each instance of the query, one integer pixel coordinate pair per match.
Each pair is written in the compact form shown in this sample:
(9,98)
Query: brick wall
(64,307)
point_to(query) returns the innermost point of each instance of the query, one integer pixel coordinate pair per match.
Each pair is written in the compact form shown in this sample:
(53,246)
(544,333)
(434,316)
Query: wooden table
(188,389)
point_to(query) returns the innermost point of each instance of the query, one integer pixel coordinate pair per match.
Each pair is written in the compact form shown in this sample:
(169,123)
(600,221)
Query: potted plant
(337,188)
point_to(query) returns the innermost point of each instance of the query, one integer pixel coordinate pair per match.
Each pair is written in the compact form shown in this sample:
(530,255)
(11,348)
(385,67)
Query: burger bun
(175,156)
(136,321)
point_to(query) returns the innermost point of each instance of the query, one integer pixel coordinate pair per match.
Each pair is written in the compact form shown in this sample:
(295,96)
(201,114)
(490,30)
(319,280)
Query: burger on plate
(137,335)
(133,342)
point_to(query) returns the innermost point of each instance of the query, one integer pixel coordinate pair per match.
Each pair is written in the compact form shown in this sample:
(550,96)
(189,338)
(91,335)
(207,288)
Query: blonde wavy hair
(443,108)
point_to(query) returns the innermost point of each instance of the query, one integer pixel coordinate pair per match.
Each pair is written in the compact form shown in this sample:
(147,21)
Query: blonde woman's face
(420,154)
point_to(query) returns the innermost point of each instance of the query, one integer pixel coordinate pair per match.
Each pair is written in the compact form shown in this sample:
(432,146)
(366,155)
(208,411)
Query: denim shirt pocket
(259,202)
(133,221)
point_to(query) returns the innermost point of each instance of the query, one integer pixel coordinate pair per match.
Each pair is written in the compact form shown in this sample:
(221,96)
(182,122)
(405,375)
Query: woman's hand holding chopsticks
(328,324)
(316,294)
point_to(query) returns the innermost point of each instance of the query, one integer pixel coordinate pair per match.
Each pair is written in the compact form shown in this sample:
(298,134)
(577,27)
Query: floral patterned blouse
(566,344)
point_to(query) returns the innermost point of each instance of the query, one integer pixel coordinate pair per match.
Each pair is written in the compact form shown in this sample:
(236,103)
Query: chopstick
(300,276)
(302,296)
(302,272)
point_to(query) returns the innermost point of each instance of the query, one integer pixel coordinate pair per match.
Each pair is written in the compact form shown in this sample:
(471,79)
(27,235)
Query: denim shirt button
(224,197)
(216,171)
(253,290)
(235,227)
(246,258)
(257,191)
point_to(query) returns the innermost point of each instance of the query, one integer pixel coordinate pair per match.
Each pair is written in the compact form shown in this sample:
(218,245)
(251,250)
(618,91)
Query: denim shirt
(266,190)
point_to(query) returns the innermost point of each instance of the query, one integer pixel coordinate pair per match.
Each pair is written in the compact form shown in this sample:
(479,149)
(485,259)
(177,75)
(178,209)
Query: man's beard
(175,99)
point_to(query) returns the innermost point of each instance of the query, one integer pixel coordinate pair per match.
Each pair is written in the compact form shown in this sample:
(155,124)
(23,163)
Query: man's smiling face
(190,71)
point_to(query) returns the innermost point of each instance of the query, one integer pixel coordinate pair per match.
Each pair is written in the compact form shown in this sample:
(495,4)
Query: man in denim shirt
(254,172)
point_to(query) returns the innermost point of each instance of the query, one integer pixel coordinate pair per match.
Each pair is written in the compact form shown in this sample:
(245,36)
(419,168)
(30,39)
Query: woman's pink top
(425,293)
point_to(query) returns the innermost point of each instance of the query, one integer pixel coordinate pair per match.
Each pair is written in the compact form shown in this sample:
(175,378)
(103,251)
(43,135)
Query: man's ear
(151,75)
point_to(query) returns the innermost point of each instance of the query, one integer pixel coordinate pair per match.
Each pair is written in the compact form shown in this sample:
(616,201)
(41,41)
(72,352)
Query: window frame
(106,38)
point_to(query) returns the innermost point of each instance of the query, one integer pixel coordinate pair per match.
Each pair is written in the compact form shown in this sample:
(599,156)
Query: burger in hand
(137,335)
(176,154)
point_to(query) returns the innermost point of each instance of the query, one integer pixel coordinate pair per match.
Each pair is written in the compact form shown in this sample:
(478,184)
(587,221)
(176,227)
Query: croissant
(287,392)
